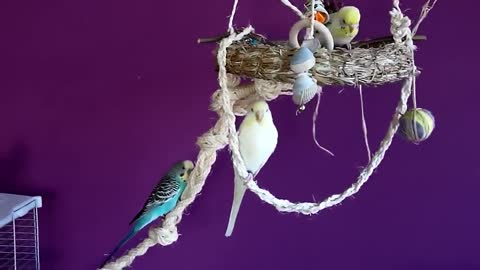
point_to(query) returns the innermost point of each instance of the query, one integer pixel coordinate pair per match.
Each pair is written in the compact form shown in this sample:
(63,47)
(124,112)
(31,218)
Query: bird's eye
(182,174)
(251,109)
(183,168)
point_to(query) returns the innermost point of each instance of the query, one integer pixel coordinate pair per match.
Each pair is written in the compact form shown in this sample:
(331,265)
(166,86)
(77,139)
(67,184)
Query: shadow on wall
(421,265)
(14,178)
(13,164)
(416,264)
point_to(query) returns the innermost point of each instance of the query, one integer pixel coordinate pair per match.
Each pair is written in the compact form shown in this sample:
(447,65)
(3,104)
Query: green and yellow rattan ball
(416,125)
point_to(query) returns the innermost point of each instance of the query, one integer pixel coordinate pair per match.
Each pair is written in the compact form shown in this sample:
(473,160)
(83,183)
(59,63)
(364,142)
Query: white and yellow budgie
(344,25)
(257,137)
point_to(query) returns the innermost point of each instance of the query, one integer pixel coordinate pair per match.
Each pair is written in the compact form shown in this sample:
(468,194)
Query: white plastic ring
(324,35)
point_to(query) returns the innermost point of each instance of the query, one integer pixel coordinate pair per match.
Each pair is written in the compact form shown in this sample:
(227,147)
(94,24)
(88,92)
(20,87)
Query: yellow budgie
(344,24)
(257,137)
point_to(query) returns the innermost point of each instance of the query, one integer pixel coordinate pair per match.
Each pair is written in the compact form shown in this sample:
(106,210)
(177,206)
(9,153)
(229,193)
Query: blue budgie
(161,201)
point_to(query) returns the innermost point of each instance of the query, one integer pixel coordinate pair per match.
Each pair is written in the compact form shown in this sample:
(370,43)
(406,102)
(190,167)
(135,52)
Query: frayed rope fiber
(232,99)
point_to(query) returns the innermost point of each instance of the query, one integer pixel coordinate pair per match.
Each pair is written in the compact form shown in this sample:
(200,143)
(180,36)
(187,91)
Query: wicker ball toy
(416,125)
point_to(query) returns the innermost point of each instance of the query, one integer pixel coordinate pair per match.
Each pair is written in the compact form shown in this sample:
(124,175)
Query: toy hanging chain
(225,102)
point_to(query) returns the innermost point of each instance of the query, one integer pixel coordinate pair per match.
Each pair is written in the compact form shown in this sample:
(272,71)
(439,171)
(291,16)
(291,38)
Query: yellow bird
(344,25)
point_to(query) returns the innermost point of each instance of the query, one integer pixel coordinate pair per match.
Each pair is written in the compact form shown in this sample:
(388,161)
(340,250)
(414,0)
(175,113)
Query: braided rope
(400,29)
(232,99)
(209,143)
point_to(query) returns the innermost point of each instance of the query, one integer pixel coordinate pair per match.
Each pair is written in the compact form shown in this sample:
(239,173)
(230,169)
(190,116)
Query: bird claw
(248,178)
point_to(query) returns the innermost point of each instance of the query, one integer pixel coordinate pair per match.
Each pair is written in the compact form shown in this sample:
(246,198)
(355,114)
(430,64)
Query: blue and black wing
(165,190)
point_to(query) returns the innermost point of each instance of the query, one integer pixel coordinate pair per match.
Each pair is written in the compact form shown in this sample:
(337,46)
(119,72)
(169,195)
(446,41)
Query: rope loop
(163,236)
(232,98)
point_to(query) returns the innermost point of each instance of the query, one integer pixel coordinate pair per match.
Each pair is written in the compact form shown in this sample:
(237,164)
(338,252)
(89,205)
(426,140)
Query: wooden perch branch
(368,43)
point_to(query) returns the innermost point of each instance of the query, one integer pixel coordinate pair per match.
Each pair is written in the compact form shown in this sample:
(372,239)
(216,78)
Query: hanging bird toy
(253,70)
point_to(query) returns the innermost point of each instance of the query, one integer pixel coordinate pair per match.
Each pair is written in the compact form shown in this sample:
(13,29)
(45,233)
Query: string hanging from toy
(364,123)
(314,125)
(228,103)
(311,31)
(400,29)
(293,8)
(426,8)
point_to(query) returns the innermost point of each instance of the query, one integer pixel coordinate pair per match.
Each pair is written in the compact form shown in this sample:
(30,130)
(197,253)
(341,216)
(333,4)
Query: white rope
(212,141)
(311,31)
(314,124)
(225,98)
(364,123)
(400,29)
(293,8)
(232,99)
(308,208)
(232,15)
(400,26)
(427,7)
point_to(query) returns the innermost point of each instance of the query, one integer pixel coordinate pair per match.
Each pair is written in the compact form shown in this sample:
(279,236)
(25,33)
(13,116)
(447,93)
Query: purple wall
(98,98)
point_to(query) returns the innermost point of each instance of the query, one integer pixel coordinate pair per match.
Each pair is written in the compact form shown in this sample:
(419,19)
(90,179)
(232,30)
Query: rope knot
(233,81)
(212,141)
(163,236)
(268,90)
(400,27)
(215,104)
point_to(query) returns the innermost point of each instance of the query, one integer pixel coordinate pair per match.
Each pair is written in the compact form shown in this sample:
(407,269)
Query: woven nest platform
(370,63)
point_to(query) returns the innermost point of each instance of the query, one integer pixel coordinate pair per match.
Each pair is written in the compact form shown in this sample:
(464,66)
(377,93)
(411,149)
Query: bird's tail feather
(239,192)
(119,245)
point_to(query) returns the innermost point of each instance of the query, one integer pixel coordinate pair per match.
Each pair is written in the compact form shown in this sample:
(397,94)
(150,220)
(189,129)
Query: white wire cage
(19,242)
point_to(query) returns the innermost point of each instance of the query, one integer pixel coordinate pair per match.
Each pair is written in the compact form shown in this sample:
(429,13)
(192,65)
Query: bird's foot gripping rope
(232,98)
(400,29)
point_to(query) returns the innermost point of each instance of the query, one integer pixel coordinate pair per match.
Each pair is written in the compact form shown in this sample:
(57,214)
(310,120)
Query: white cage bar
(19,241)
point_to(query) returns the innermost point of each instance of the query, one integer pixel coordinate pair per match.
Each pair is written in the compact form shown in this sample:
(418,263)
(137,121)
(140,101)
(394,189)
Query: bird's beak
(259,116)
(351,28)
(320,17)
